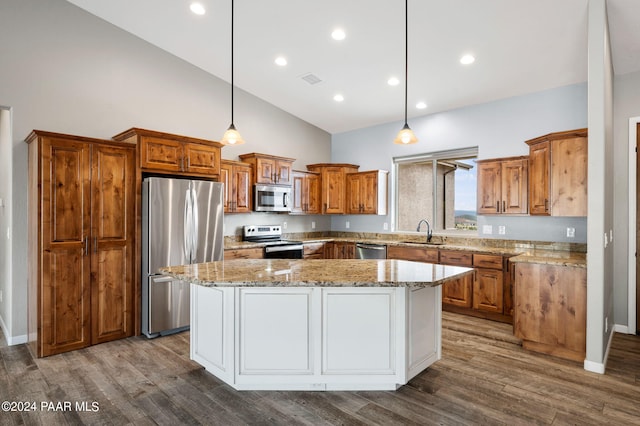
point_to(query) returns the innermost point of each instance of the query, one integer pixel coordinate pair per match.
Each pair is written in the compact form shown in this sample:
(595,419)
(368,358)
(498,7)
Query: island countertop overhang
(316,273)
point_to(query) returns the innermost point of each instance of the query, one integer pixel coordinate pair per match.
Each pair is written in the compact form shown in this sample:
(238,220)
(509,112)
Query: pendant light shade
(406,135)
(232,136)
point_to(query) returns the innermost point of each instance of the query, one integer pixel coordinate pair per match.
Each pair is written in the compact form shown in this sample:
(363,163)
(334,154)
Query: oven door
(271,198)
(284,251)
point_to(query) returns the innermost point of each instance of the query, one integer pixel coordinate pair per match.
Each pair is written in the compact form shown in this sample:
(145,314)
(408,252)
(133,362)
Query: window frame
(450,154)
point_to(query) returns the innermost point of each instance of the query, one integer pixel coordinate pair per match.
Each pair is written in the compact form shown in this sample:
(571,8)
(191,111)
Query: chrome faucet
(429,234)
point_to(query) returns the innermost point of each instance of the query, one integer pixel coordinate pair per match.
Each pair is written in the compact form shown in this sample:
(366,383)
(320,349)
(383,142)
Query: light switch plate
(502,230)
(571,232)
(346,225)
(487,229)
(313,225)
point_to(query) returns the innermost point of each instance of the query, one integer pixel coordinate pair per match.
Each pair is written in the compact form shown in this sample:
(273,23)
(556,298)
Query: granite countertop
(517,252)
(316,273)
(550,257)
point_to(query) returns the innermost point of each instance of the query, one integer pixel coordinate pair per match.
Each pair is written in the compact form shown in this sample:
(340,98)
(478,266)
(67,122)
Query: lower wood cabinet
(82,200)
(340,250)
(313,250)
(488,287)
(417,254)
(244,253)
(485,294)
(550,312)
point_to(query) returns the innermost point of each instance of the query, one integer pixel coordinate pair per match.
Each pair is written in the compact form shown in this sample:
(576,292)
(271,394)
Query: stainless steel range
(275,246)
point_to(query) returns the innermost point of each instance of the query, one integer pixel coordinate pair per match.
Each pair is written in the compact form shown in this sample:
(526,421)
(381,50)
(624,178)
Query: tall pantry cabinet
(81,241)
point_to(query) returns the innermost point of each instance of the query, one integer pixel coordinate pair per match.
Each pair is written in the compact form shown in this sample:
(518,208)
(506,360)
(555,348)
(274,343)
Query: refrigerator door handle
(194,225)
(187,226)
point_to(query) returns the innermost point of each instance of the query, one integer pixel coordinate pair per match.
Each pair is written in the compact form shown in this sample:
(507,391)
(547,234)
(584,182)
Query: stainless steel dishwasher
(371,251)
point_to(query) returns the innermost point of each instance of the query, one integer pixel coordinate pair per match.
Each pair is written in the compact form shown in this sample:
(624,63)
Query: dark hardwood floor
(484,377)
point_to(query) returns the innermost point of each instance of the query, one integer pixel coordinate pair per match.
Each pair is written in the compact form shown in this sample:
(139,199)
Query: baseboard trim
(619,328)
(599,367)
(11,340)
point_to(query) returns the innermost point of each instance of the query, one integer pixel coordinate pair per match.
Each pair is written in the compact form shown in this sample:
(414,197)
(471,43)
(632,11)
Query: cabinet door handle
(95,244)
(86,246)
(498,206)
(546,205)
(504,209)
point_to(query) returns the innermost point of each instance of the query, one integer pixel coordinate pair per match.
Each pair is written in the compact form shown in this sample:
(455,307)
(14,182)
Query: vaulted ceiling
(520,46)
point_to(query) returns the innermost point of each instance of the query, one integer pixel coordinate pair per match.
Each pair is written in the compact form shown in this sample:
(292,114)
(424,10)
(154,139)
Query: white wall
(64,70)
(498,128)
(626,105)
(5,221)
(600,213)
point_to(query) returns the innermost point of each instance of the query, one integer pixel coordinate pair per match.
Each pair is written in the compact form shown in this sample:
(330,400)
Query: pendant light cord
(406,56)
(232,61)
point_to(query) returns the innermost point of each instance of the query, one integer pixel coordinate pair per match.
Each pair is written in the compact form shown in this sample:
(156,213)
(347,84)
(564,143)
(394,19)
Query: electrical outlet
(502,229)
(571,232)
(284,225)
(385,226)
(346,225)
(606,324)
(313,224)
(487,229)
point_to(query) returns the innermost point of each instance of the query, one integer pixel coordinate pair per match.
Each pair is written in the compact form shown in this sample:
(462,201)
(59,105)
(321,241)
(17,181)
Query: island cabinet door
(212,323)
(274,333)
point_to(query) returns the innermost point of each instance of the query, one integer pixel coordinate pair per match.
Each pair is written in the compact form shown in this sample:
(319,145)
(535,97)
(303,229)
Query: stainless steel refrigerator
(182,223)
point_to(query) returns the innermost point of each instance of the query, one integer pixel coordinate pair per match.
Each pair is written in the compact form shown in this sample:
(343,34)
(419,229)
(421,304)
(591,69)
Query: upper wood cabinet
(333,196)
(236,177)
(175,154)
(367,192)
(306,192)
(270,169)
(503,185)
(558,174)
(82,217)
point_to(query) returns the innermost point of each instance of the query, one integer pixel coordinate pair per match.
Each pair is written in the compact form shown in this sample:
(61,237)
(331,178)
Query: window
(439,187)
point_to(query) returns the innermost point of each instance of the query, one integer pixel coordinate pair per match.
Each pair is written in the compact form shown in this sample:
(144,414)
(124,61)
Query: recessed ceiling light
(393,81)
(281,61)
(421,105)
(338,34)
(467,59)
(197,8)
(338,97)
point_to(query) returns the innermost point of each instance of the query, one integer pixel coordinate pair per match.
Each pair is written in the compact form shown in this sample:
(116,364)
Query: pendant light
(406,135)
(232,136)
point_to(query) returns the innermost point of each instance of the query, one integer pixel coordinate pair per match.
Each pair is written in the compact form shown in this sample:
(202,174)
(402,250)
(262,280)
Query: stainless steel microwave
(272,198)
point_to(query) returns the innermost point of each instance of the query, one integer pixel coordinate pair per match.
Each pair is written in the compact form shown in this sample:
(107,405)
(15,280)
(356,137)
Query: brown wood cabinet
(82,217)
(306,192)
(558,174)
(550,313)
(270,169)
(367,192)
(417,254)
(457,292)
(166,153)
(488,286)
(340,250)
(503,186)
(244,253)
(314,250)
(236,177)
(333,190)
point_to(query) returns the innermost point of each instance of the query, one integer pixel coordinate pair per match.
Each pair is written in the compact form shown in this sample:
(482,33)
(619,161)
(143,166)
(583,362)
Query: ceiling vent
(311,78)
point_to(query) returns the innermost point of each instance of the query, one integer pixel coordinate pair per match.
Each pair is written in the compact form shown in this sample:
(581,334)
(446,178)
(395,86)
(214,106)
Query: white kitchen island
(316,324)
